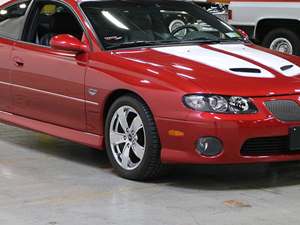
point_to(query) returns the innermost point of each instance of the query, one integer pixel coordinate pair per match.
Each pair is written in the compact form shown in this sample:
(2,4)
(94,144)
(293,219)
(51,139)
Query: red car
(152,82)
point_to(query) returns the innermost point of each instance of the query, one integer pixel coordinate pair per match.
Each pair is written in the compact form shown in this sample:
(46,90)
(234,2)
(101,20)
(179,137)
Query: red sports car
(152,82)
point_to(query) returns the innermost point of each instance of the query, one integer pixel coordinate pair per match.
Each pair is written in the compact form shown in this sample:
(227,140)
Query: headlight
(220,104)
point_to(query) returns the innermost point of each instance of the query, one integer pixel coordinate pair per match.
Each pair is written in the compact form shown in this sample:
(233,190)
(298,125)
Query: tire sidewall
(140,108)
(283,33)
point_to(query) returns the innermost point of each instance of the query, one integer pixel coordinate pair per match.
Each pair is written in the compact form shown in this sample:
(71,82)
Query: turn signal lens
(176,133)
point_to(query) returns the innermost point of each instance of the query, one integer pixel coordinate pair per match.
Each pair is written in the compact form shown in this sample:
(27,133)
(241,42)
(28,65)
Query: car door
(12,16)
(5,78)
(48,84)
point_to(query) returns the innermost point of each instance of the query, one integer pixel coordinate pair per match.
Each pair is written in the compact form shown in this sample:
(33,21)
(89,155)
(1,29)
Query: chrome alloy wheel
(127,137)
(282,45)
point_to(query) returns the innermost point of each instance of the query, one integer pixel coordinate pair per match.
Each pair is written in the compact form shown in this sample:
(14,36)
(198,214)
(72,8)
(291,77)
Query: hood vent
(245,70)
(287,67)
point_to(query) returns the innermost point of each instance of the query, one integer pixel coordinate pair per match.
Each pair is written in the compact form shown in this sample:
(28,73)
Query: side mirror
(69,43)
(244,34)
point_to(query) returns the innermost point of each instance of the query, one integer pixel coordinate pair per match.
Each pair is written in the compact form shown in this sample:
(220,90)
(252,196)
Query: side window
(12,19)
(50,19)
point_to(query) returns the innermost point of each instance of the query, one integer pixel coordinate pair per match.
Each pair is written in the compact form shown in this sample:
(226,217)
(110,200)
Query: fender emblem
(92,91)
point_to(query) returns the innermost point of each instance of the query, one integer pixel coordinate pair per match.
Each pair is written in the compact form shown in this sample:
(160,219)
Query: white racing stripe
(272,61)
(215,59)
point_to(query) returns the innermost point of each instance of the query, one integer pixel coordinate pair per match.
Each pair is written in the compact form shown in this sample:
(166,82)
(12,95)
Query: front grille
(266,146)
(285,110)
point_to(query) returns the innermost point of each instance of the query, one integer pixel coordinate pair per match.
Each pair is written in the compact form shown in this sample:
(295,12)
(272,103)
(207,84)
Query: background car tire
(150,166)
(283,33)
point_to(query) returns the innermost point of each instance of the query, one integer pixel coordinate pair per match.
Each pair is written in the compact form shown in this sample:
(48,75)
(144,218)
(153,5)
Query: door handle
(18,62)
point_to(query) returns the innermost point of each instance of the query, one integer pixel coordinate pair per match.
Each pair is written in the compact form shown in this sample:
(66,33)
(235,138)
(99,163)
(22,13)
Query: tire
(149,166)
(282,34)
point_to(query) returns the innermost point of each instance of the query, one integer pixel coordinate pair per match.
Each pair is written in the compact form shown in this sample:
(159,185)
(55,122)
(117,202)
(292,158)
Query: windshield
(123,24)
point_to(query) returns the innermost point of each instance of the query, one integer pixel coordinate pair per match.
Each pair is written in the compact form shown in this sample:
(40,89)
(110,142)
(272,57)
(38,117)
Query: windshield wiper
(132,44)
(204,41)
(232,40)
(201,41)
(160,42)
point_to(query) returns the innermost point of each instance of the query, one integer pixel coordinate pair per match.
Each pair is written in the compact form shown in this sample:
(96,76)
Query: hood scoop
(287,67)
(245,70)
(274,62)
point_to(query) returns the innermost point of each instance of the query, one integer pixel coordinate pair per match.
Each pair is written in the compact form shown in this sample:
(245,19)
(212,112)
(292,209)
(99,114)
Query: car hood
(228,69)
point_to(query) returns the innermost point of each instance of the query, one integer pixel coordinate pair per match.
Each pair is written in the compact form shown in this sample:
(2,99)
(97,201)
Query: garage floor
(47,181)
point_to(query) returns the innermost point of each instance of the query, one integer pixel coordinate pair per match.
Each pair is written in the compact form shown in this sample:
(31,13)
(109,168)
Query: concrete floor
(47,181)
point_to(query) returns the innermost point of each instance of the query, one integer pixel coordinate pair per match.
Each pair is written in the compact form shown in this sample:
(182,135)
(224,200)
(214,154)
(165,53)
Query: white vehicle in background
(217,8)
(272,23)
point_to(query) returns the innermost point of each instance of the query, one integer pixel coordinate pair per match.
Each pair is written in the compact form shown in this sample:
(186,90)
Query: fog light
(209,146)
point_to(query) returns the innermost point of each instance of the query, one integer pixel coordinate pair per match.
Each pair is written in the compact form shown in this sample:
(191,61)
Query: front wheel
(132,140)
(283,40)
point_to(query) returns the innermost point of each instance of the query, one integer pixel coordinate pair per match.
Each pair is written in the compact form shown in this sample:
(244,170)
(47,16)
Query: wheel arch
(114,95)
(264,26)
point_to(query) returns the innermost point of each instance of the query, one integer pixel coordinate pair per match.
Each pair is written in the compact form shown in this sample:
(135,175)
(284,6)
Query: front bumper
(232,130)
